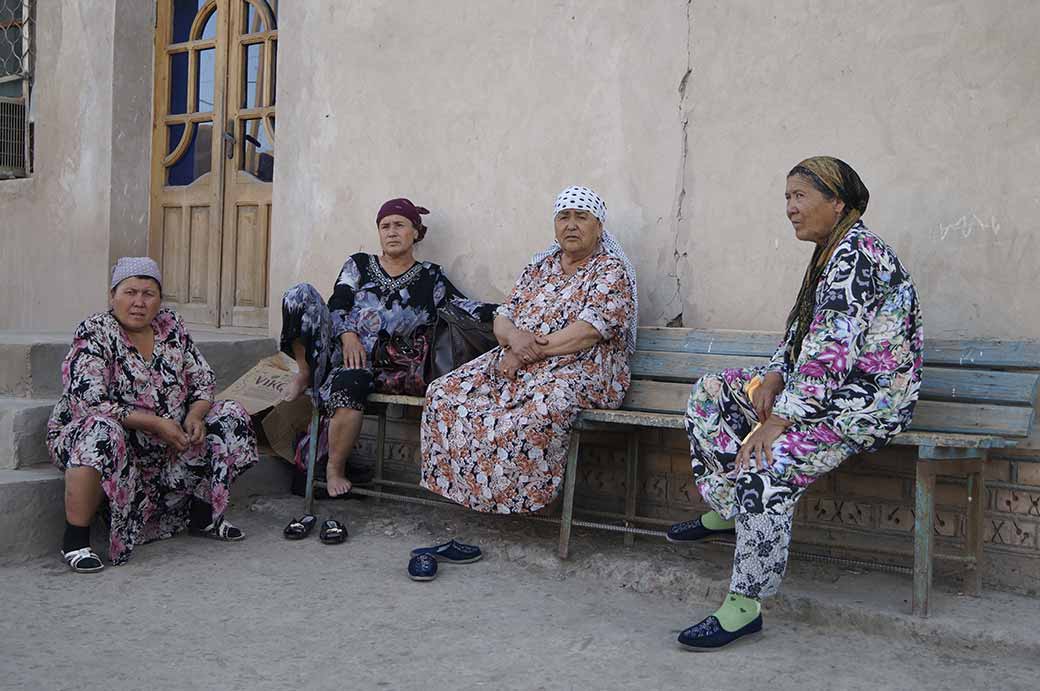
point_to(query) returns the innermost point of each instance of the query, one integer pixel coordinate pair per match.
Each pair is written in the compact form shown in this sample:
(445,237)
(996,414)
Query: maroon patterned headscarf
(404,207)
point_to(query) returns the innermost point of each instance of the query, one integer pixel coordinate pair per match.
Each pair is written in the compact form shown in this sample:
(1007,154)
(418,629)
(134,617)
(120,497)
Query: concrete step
(30,363)
(32,513)
(23,431)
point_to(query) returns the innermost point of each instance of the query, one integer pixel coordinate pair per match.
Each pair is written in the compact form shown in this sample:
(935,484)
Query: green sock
(737,612)
(713,521)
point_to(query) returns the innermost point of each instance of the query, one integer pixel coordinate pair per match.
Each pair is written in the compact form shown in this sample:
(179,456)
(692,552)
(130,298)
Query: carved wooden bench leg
(570,479)
(631,482)
(976,527)
(924,536)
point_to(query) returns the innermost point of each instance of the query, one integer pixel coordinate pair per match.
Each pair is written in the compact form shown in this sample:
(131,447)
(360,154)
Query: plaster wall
(482,112)
(934,103)
(87,200)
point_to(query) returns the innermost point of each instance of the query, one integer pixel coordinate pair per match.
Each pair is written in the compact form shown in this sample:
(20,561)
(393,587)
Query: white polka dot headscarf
(584,199)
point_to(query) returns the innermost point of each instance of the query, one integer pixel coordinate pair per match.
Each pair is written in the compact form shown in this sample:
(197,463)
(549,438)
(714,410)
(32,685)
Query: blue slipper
(422,567)
(709,634)
(692,531)
(452,552)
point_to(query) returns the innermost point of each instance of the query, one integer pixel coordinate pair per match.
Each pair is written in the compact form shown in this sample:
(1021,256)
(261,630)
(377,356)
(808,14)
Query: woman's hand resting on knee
(758,446)
(354,355)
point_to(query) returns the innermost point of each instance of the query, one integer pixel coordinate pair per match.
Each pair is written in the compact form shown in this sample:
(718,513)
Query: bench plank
(942,352)
(931,416)
(977,418)
(938,383)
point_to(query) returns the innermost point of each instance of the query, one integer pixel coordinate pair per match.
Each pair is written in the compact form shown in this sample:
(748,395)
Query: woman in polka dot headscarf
(495,432)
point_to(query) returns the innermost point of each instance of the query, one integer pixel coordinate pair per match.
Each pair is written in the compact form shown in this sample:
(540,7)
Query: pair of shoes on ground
(423,564)
(86,560)
(332,531)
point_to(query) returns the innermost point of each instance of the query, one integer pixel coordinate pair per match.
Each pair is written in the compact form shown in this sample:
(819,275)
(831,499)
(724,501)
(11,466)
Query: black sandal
(333,532)
(301,527)
(220,530)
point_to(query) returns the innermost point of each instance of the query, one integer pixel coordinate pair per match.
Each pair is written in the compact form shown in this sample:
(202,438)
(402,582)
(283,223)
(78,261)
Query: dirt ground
(267,613)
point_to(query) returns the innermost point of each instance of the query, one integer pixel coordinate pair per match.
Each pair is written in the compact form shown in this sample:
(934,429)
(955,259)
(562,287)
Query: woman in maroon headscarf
(391,293)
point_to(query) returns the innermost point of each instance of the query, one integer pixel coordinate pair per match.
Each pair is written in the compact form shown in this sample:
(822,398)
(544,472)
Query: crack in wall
(684,119)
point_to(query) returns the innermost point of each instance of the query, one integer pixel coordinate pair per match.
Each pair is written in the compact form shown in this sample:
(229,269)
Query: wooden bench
(975,396)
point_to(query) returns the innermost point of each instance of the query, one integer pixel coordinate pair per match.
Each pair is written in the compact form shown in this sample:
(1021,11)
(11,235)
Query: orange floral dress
(500,446)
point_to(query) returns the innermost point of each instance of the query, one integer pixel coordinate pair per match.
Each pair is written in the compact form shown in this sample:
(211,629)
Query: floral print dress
(499,446)
(148,484)
(366,300)
(852,388)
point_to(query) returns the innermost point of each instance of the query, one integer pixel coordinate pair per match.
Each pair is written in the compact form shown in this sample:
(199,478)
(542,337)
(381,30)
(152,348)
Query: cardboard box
(262,388)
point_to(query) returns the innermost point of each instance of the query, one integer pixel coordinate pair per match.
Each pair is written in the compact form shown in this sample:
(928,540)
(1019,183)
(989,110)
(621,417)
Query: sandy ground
(267,613)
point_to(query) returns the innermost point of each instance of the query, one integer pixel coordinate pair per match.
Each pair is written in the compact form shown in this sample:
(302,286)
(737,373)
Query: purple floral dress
(852,388)
(148,484)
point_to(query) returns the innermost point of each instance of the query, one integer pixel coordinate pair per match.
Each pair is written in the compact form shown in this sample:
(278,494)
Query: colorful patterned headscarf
(833,178)
(584,199)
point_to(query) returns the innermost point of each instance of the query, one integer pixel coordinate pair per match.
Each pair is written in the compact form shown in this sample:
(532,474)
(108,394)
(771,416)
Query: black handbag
(457,338)
(398,363)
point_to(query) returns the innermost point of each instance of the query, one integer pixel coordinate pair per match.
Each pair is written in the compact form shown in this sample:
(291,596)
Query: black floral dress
(148,484)
(365,300)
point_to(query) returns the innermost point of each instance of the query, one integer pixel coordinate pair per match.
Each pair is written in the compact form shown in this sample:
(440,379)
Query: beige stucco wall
(56,227)
(934,103)
(482,111)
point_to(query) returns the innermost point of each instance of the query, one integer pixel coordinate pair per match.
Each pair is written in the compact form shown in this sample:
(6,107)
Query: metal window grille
(17,23)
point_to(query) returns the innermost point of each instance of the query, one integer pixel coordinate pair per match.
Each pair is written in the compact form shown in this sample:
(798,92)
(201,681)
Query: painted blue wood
(999,354)
(938,383)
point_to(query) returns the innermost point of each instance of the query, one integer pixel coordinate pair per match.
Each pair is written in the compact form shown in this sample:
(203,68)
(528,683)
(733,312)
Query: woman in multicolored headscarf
(495,431)
(844,380)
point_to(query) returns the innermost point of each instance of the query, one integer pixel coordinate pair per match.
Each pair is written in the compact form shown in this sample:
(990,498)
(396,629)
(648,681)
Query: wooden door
(211,183)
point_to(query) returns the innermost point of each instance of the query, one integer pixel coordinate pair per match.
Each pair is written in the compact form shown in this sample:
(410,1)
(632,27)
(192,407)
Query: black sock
(76,537)
(201,514)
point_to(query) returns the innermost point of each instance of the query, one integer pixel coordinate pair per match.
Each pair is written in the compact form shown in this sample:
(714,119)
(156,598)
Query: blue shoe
(692,531)
(709,634)
(422,567)
(452,552)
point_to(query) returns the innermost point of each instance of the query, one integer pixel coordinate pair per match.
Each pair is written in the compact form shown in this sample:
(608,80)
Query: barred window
(17,20)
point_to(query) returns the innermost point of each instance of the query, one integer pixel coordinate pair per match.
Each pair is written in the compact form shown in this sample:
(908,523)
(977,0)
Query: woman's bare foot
(297,385)
(336,484)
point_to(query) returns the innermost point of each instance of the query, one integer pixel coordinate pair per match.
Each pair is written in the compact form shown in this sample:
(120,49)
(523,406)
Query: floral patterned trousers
(306,318)
(149,485)
(718,417)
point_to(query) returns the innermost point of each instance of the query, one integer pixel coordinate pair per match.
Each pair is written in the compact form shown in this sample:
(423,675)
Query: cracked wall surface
(483,114)
(935,105)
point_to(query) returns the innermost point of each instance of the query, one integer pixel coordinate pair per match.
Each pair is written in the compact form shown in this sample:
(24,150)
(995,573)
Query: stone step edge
(30,364)
(23,431)
(32,514)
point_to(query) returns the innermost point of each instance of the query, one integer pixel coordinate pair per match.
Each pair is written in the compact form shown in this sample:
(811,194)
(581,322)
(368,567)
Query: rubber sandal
(220,530)
(301,527)
(452,552)
(422,567)
(332,532)
(83,560)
